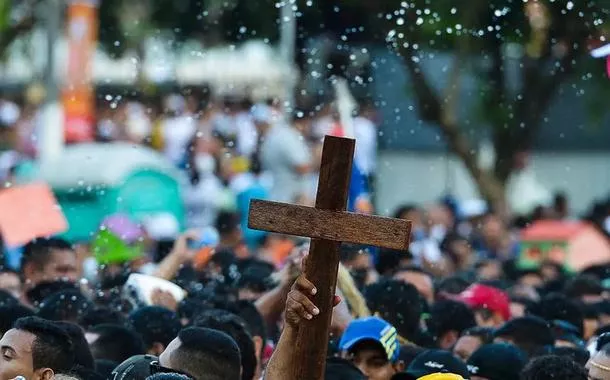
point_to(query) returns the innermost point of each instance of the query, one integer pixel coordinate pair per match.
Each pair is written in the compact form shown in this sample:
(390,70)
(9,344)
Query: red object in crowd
(479,296)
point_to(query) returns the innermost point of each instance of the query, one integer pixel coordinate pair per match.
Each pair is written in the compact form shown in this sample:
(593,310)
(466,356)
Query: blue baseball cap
(372,329)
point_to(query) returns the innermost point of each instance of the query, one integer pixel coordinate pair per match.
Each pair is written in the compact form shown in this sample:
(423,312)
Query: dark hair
(66,305)
(583,285)
(10,314)
(235,327)
(451,285)
(531,334)
(552,367)
(101,315)
(408,353)
(207,354)
(485,334)
(557,306)
(578,354)
(116,343)
(82,353)
(155,325)
(449,315)
(105,367)
(389,259)
(46,289)
(227,222)
(7,299)
(341,369)
(348,251)
(52,347)
(255,323)
(403,209)
(38,251)
(255,275)
(398,303)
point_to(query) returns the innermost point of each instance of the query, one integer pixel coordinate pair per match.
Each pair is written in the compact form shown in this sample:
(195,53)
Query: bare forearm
(281,360)
(271,304)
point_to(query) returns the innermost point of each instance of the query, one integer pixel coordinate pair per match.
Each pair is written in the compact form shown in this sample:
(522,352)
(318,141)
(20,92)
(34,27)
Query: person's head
(255,324)
(35,349)
(82,353)
(371,344)
(458,249)
(100,315)
(114,342)
(228,226)
(359,261)
(435,361)
(452,285)
(585,288)
(67,305)
(255,278)
(447,321)
(471,340)
(156,325)
(599,365)
(491,305)
(497,362)
(235,327)
(531,334)
(342,369)
(398,303)
(422,281)
(388,260)
(48,260)
(553,367)
(579,354)
(137,367)
(10,314)
(10,282)
(203,353)
(531,277)
(45,289)
(557,306)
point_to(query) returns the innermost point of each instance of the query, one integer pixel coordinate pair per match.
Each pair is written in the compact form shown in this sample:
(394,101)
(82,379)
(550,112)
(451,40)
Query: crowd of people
(455,306)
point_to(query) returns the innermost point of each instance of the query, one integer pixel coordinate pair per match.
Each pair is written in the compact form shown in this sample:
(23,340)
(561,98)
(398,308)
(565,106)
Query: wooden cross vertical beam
(322,265)
(328,224)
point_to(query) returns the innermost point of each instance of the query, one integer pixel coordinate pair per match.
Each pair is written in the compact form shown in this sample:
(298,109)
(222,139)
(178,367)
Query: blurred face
(465,346)
(492,228)
(372,361)
(16,360)
(62,265)
(598,367)
(421,281)
(517,309)
(11,283)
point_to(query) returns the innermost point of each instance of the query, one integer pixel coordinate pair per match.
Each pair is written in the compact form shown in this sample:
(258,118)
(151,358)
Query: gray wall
(418,177)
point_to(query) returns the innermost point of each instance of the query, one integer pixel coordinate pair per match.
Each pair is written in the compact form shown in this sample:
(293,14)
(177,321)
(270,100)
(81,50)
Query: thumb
(336,301)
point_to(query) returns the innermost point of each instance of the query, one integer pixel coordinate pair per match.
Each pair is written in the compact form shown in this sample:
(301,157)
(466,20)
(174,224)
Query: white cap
(601,52)
(163,226)
(472,208)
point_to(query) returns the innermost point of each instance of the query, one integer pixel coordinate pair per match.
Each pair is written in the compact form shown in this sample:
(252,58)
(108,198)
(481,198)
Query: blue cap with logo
(372,329)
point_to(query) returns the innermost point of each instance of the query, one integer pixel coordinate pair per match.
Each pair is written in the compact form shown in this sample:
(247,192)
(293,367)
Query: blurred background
(174,107)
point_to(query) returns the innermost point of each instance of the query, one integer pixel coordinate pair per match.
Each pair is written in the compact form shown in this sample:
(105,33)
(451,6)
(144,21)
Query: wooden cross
(328,224)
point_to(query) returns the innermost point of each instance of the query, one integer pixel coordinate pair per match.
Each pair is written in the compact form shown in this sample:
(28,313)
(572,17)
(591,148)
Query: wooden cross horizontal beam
(332,225)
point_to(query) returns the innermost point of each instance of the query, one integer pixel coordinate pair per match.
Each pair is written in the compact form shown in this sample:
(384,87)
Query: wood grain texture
(332,225)
(323,261)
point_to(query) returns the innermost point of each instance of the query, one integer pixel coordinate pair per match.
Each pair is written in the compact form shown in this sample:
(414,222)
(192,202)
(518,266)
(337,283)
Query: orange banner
(78,95)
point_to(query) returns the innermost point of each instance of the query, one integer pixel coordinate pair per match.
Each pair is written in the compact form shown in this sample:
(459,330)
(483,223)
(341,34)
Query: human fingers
(303,305)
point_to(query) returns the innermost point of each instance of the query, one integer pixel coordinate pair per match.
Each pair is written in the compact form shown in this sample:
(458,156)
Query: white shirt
(202,201)
(177,132)
(365,155)
(282,150)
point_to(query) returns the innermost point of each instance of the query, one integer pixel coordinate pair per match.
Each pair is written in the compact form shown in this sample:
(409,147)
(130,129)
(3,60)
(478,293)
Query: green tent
(93,180)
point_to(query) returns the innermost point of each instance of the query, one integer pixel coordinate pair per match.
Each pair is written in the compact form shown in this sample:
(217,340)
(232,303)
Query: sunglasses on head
(155,368)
